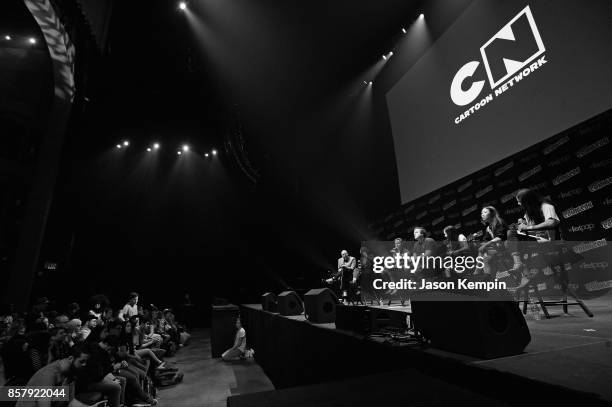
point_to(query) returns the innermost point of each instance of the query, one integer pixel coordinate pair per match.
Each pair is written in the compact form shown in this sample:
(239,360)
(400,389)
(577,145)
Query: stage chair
(561,276)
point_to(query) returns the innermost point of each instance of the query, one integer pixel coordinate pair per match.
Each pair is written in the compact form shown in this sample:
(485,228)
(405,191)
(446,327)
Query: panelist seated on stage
(540,219)
(455,244)
(539,223)
(398,247)
(423,246)
(493,235)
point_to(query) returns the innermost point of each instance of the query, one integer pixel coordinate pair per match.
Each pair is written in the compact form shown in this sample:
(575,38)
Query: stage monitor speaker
(269,302)
(320,304)
(289,303)
(484,329)
(353,318)
(387,318)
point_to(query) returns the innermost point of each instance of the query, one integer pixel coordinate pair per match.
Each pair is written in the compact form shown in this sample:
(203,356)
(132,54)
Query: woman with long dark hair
(540,217)
(494,234)
(540,222)
(456,244)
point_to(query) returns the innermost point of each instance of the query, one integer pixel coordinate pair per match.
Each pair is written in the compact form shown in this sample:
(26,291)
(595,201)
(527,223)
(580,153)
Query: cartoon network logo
(509,51)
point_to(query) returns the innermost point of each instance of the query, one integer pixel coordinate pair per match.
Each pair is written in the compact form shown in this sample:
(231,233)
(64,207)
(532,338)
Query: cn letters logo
(511,49)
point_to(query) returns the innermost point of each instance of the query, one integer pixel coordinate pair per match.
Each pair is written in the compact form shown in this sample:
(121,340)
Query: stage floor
(568,350)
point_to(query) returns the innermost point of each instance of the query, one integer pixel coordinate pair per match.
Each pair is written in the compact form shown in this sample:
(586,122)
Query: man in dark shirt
(58,373)
(423,246)
(98,374)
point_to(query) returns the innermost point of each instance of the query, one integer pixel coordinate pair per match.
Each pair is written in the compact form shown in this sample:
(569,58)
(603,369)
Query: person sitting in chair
(539,223)
(423,246)
(456,244)
(494,233)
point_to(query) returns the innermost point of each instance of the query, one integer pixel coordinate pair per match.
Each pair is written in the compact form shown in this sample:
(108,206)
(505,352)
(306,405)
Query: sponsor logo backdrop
(572,169)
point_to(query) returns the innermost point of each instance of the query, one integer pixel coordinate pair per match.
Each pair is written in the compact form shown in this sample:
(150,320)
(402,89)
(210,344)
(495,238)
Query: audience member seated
(59,373)
(98,375)
(114,364)
(130,309)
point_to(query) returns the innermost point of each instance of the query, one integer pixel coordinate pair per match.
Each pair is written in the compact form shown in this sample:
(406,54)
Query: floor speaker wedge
(483,329)
(320,305)
(289,303)
(269,302)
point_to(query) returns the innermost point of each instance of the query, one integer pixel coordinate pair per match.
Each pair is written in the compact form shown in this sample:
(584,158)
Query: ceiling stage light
(7,37)
(421,16)
(214,152)
(126,143)
(182,5)
(404,31)
(156,146)
(206,155)
(185,148)
(179,153)
(32,40)
(149,149)
(118,145)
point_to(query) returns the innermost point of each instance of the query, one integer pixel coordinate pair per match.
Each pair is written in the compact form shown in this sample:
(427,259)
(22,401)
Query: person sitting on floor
(237,351)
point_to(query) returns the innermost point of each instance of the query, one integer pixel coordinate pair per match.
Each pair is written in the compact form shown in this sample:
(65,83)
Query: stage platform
(568,360)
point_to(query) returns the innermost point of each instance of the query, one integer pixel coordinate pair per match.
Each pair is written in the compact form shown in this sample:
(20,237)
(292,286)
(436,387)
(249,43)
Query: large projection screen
(504,76)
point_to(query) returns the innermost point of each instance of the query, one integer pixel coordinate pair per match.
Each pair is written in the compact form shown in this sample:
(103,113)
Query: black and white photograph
(289,203)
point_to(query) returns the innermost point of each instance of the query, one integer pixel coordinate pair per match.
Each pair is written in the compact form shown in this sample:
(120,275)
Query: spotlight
(118,145)
(370,83)
(32,40)
(156,146)
(185,147)
(365,83)
(179,152)
(390,54)
(7,37)
(404,31)
(206,155)
(182,5)
(421,16)
(214,152)
(149,149)
(385,57)
(126,143)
